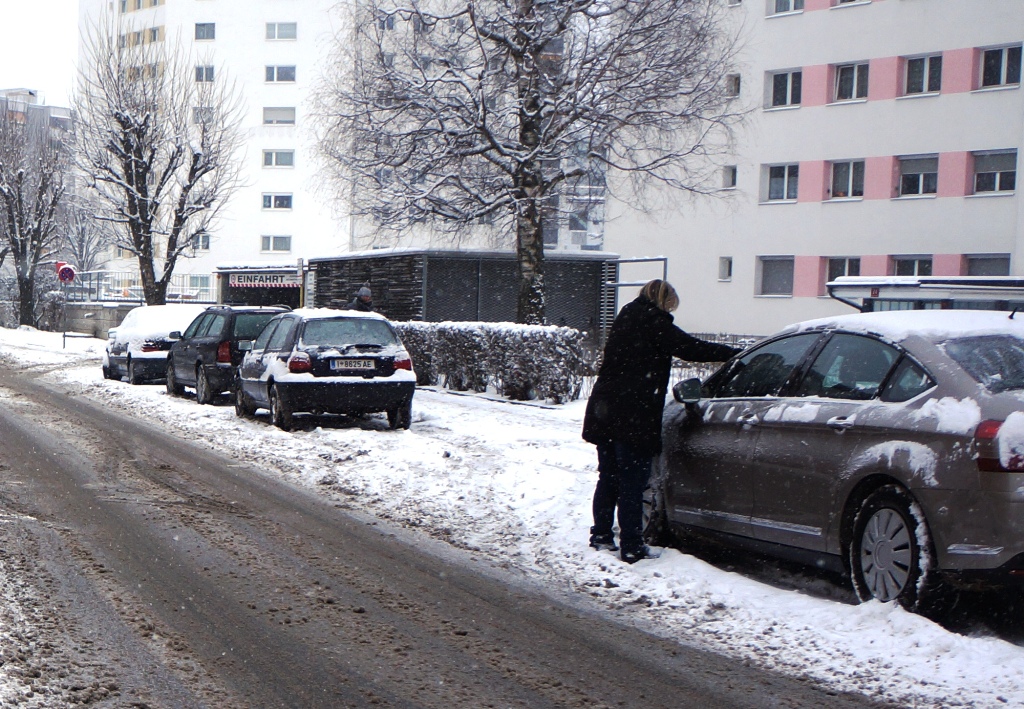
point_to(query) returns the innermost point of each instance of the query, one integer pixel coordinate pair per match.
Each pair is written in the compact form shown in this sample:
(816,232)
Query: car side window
(264,338)
(191,330)
(849,367)
(215,326)
(281,334)
(765,370)
(906,382)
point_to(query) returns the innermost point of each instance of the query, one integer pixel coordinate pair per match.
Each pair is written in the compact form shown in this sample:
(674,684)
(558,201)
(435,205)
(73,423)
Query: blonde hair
(662,294)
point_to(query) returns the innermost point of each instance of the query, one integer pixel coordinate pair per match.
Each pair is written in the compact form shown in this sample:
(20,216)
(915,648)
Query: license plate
(337,364)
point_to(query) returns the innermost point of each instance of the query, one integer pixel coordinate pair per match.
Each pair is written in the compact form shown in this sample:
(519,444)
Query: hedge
(520,362)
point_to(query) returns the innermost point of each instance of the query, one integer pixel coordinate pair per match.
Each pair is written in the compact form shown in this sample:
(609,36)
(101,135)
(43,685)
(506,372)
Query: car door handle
(747,419)
(840,423)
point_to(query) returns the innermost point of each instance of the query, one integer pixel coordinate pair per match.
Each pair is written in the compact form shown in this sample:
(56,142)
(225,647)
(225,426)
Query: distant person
(623,415)
(363,301)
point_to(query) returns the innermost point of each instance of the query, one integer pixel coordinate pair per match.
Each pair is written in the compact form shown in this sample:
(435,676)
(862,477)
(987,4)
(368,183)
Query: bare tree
(460,111)
(86,238)
(34,162)
(157,143)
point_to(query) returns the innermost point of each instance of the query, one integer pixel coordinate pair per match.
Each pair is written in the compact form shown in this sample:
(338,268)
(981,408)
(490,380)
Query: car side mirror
(687,391)
(174,335)
(245,345)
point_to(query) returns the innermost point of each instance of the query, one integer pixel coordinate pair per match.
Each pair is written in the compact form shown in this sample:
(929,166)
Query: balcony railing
(126,287)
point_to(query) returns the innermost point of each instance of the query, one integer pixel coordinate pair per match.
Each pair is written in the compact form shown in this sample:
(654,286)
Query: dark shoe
(634,555)
(603,542)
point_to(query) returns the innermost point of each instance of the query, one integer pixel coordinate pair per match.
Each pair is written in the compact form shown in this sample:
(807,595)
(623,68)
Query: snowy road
(510,485)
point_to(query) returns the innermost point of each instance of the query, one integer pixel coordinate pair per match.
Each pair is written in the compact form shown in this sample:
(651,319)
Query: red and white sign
(264,280)
(65,272)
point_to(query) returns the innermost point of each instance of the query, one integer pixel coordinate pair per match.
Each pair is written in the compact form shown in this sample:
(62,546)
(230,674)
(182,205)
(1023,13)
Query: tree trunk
(530,260)
(154,291)
(26,287)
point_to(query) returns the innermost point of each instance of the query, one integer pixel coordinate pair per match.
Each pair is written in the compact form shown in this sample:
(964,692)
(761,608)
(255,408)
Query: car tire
(891,556)
(655,518)
(243,407)
(204,395)
(173,387)
(107,373)
(400,416)
(134,375)
(280,415)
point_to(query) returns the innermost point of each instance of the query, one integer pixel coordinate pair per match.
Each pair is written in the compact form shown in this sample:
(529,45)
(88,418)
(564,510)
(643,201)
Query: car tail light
(299,362)
(148,346)
(986,446)
(224,352)
(403,364)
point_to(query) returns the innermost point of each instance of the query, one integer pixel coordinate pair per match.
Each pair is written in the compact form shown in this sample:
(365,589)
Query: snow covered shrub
(461,355)
(418,338)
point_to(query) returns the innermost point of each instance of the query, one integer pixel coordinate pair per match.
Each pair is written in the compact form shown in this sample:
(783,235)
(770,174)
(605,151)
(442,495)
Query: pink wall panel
(875,265)
(815,90)
(879,179)
(808,275)
(810,5)
(813,185)
(955,174)
(959,67)
(884,78)
(948,265)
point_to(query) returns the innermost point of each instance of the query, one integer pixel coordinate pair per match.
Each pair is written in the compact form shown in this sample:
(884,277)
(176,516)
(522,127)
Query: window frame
(271,241)
(205,74)
(861,70)
(205,28)
(275,34)
(922,182)
(272,73)
(274,158)
(272,200)
(1005,72)
(794,85)
(761,262)
(853,190)
(999,176)
(792,7)
(790,184)
(929,61)
(919,265)
(279,122)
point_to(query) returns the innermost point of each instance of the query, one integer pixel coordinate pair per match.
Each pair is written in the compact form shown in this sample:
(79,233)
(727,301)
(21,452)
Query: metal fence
(126,287)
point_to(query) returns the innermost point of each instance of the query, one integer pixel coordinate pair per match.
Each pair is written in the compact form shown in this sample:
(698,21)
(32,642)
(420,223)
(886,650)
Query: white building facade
(273,51)
(883,139)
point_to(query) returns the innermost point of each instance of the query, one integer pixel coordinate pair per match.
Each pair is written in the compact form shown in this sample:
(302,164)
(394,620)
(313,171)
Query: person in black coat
(363,301)
(623,417)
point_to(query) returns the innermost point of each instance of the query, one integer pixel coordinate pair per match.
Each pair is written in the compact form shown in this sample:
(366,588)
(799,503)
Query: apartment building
(883,139)
(274,52)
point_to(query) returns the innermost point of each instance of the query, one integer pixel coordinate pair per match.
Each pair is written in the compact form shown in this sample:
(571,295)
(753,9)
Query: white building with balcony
(883,139)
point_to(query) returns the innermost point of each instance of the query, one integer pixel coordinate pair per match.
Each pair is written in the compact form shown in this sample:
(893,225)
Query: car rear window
(994,361)
(249,325)
(348,331)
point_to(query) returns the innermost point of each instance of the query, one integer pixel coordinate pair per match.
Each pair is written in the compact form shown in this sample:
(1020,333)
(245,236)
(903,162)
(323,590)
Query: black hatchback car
(206,355)
(324,361)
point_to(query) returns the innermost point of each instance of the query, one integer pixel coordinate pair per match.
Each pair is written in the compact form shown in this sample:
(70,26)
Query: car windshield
(994,361)
(347,331)
(249,325)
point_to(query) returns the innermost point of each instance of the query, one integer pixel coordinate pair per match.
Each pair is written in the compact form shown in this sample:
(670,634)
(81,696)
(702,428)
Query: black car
(321,361)
(206,355)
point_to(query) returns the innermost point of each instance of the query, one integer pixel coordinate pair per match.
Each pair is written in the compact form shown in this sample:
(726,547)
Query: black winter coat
(360,305)
(629,395)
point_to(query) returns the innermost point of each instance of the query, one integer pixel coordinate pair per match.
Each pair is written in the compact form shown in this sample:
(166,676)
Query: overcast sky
(39,47)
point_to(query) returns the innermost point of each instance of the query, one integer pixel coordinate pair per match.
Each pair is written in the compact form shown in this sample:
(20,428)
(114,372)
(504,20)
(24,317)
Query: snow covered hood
(152,321)
(934,325)
(318,313)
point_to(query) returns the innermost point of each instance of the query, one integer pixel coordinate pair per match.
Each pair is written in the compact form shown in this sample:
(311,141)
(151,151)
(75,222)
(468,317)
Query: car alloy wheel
(890,555)
(134,375)
(280,415)
(655,521)
(203,393)
(173,388)
(243,408)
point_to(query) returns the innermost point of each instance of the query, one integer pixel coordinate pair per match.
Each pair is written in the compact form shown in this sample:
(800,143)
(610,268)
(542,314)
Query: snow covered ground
(511,483)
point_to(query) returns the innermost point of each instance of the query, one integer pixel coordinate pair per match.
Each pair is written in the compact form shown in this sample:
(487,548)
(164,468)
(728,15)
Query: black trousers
(623,474)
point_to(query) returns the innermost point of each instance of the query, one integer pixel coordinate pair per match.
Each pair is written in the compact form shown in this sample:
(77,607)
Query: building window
(911,266)
(728,177)
(385,21)
(278,158)
(204,73)
(725,268)
(732,85)
(202,115)
(776,275)
(275,243)
(777,7)
(206,30)
(995,172)
(281,73)
(988,265)
(786,88)
(282,30)
(201,241)
(199,286)
(154,34)
(847,179)
(851,82)
(279,116)
(782,182)
(918,176)
(838,267)
(277,201)
(1000,67)
(924,75)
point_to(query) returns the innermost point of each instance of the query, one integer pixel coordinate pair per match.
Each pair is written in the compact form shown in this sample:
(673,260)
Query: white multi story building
(883,139)
(274,51)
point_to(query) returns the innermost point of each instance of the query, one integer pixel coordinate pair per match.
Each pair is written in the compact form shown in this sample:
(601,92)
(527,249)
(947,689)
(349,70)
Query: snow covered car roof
(934,325)
(318,313)
(150,321)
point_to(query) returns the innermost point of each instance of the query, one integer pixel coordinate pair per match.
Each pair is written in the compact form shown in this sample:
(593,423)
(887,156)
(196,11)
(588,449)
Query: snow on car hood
(931,324)
(152,321)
